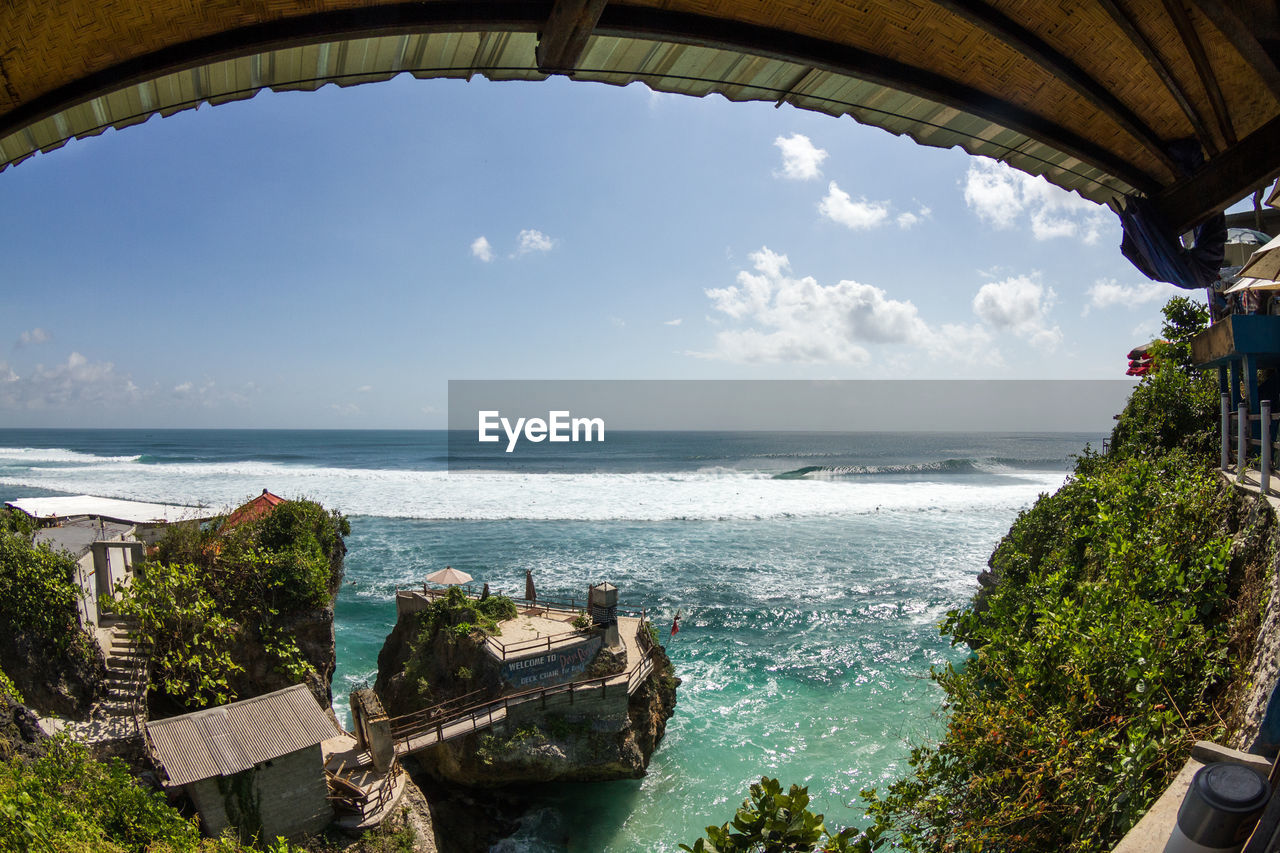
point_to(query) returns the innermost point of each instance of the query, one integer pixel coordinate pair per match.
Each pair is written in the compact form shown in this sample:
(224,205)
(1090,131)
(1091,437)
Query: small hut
(256,764)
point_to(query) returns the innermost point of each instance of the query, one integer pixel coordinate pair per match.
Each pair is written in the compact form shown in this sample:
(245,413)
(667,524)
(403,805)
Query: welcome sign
(551,667)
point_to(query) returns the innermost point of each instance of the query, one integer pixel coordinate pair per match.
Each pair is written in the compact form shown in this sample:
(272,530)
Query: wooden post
(1265,482)
(1242,438)
(1226,432)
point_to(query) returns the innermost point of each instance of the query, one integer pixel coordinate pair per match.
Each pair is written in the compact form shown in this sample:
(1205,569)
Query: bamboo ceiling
(1088,93)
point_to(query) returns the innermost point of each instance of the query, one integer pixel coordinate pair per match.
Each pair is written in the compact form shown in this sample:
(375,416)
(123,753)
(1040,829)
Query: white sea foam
(712,493)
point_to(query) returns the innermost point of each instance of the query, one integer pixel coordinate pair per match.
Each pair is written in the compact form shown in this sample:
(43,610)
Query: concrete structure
(105,553)
(1150,834)
(256,765)
(149,520)
(373,729)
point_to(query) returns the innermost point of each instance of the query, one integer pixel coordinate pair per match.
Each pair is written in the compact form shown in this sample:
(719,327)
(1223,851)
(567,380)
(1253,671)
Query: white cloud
(910,220)
(481,249)
(346,410)
(857,215)
(1002,196)
(676,322)
(77,383)
(182,388)
(532,240)
(34,336)
(1020,305)
(618,322)
(364,389)
(1107,293)
(801,159)
(798,320)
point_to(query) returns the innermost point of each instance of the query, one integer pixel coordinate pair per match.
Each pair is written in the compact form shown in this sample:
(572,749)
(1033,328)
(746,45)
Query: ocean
(810,570)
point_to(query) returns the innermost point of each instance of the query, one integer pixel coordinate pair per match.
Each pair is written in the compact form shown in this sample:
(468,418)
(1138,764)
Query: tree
(770,821)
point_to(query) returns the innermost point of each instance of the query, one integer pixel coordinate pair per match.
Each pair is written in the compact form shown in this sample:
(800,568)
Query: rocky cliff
(598,733)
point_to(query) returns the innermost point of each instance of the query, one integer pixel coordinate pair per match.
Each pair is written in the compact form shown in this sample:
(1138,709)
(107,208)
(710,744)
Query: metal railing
(1237,429)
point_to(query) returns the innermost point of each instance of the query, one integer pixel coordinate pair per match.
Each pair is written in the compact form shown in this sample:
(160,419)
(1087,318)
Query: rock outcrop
(65,682)
(312,630)
(599,732)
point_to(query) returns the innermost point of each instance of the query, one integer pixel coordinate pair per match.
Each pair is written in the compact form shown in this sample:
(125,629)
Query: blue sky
(316,259)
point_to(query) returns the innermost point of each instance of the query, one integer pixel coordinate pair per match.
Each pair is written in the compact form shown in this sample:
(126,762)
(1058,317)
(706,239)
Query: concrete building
(256,765)
(105,553)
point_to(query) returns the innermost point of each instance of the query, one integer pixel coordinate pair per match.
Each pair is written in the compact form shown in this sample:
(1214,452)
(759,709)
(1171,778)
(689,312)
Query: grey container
(1220,809)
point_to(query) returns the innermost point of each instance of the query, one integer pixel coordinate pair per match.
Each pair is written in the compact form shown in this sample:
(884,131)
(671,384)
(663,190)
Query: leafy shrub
(190,633)
(66,801)
(1099,654)
(770,821)
(210,588)
(1173,406)
(37,593)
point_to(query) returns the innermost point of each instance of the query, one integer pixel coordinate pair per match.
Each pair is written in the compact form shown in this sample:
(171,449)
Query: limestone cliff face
(447,667)
(312,630)
(1255,558)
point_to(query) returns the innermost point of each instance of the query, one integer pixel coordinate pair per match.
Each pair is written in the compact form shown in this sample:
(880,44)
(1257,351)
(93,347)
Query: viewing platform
(543,658)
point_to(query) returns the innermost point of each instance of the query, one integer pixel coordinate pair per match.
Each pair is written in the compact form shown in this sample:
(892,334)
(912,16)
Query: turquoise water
(809,604)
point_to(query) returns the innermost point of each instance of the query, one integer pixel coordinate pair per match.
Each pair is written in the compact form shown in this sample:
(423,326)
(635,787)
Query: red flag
(675,624)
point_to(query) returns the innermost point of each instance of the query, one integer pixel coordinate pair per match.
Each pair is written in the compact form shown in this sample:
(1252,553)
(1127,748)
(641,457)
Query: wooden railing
(570,606)
(426,718)
(345,794)
(503,650)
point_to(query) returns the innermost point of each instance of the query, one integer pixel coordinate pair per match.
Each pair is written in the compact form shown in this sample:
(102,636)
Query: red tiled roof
(256,508)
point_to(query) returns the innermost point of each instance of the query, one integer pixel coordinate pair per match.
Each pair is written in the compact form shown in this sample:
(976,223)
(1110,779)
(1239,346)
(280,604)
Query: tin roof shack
(256,764)
(105,553)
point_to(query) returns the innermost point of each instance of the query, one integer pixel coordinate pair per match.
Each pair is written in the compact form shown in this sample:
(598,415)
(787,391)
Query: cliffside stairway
(126,671)
(120,714)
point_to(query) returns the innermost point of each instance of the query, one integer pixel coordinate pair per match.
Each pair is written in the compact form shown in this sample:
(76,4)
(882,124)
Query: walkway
(430,726)
(120,715)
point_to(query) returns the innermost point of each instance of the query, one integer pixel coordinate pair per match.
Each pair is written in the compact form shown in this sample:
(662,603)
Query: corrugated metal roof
(1095,96)
(665,67)
(225,740)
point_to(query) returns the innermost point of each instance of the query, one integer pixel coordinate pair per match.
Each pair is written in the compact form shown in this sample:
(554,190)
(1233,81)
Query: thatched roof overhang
(1088,93)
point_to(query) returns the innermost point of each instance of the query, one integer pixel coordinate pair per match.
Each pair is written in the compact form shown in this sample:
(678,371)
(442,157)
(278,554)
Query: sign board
(552,667)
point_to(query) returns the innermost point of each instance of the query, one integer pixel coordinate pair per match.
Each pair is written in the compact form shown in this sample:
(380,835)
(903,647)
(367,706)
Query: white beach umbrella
(1265,262)
(449,576)
(1253,284)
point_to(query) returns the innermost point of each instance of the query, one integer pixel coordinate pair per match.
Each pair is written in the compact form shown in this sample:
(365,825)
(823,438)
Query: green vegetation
(38,598)
(1102,649)
(66,802)
(1105,648)
(494,748)
(770,821)
(210,591)
(1173,406)
(456,617)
